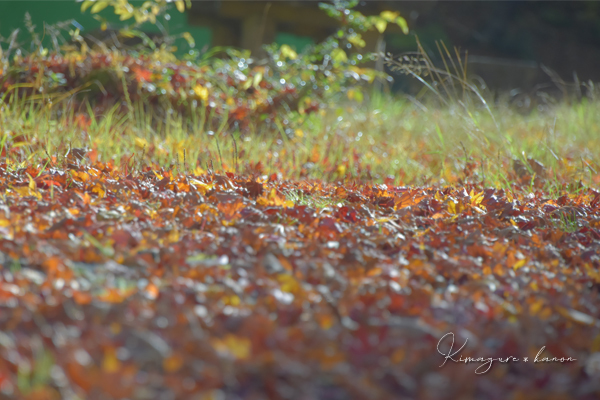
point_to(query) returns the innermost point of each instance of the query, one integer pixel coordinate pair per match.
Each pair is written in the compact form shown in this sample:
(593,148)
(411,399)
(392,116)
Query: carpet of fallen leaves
(154,284)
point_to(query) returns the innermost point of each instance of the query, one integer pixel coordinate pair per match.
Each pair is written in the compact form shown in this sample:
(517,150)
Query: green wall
(12,15)
(299,43)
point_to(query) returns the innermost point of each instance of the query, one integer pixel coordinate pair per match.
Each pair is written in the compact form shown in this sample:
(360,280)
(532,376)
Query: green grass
(566,223)
(298,197)
(382,137)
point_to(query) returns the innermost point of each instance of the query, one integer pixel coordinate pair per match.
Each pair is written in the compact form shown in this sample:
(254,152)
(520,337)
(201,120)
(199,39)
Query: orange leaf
(110,362)
(82,298)
(52,264)
(173,363)
(236,346)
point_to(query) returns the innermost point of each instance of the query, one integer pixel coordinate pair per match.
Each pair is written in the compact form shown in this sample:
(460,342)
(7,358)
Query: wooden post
(380,84)
(257,28)
(251,38)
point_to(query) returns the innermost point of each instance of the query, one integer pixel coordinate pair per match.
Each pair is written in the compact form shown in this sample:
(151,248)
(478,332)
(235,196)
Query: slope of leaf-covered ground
(154,284)
(304,269)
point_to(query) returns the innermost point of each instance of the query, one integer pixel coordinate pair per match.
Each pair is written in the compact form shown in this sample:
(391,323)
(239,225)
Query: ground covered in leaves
(154,284)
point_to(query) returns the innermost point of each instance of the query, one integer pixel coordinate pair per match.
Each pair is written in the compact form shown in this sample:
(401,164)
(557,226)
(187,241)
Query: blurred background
(511,44)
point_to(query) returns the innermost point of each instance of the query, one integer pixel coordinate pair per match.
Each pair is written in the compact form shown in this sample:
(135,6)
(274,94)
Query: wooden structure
(250,24)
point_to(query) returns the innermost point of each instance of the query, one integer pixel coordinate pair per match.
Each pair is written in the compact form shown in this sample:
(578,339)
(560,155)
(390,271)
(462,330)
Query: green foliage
(333,67)
(343,11)
(31,377)
(147,12)
(231,87)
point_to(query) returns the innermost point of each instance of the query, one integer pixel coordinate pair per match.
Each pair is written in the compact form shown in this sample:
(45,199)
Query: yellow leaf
(288,283)
(519,264)
(257,78)
(80,176)
(595,344)
(86,198)
(339,55)
(341,169)
(367,73)
(536,306)
(287,52)
(381,24)
(189,39)
(24,191)
(173,236)
(476,198)
(357,40)
(201,186)
(180,5)
(173,363)
(32,185)
(158,176)
(86,4)
(140,18)
(20,144)
(401,22)
(232,300)
(273,199)
(140,142)
(201,92)
(389,16)
(238,347)
(126,15)
(99,6)
(110,362)
(452,207)
(326,321)
(199,171)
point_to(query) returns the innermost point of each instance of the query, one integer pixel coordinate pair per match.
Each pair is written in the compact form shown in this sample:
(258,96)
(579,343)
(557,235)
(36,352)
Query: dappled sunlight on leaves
(149,270)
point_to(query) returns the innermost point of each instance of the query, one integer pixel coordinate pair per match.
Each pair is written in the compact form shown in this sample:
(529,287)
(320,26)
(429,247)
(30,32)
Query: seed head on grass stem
(184,162)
